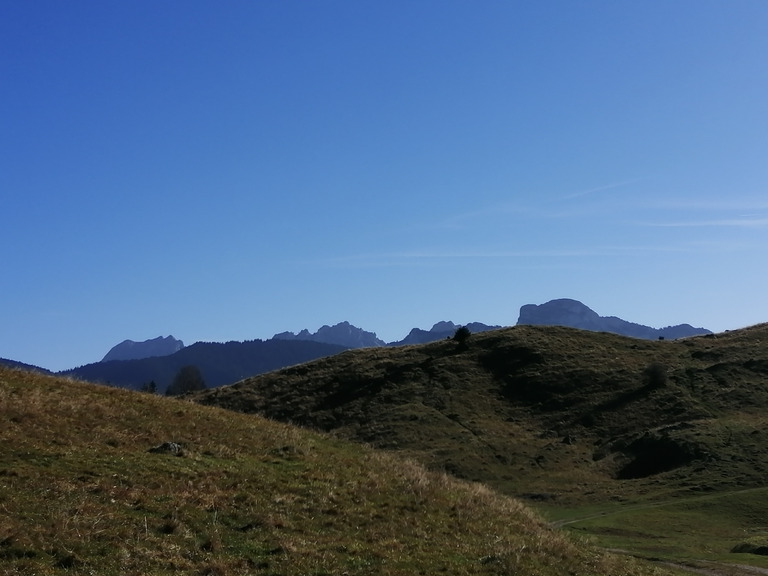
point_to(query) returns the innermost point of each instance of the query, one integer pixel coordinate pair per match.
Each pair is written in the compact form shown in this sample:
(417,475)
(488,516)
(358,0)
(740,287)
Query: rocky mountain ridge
(344,335)
(130,350)
(341,334)
(574,314)
(559,312)
(218,363)
(440,331)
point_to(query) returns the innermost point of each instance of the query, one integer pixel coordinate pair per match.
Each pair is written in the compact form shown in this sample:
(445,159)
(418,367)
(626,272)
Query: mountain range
(130,350)
(219,363)
(138,364)
(560,312)
(227,363)
(440,331)
(345,334)
(341,334)
(567,312)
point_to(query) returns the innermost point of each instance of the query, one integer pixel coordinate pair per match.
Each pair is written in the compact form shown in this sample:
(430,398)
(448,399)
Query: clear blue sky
(228,170)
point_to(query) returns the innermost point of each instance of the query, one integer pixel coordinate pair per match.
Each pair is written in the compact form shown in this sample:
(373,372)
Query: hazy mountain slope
(130,350)
(439,331)
(83,493)
(568,312)
(350,336)
(220,363)
(341,334)
(548,410)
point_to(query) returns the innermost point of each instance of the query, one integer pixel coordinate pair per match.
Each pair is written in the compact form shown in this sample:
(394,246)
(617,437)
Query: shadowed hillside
(88,486)
(130,350)
(219,363)
(550,413)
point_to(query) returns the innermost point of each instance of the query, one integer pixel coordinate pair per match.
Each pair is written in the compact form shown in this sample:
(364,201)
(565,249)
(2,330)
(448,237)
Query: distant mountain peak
(441,330)
(569,312)
(443,326)
(341,334)
(130,350)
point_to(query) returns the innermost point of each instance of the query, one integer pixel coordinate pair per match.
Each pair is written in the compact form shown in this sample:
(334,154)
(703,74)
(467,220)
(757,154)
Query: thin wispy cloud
(722,247)
(718,223)
(523,208)
(679,212)
(728,205)
(438,257)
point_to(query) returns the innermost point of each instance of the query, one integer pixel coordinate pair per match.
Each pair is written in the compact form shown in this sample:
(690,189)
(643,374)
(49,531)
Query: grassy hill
(82,492)
(580,423)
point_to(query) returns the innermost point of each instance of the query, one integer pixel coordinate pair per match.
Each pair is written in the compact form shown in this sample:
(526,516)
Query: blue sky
(229,170)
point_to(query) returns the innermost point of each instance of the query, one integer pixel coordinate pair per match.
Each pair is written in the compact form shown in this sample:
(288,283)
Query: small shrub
(149,387)
(461,335)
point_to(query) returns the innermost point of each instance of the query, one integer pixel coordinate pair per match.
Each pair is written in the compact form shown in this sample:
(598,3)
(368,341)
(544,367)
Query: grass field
(81,492)
(700,531)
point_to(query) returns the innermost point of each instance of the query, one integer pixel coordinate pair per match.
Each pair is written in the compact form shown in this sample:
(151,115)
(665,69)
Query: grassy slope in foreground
(81,494)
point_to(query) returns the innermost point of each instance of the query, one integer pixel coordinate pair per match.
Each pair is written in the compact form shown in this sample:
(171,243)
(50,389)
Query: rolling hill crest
(547,407)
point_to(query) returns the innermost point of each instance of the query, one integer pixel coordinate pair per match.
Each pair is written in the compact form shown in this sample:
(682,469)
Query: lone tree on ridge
(461,336)
(187,379)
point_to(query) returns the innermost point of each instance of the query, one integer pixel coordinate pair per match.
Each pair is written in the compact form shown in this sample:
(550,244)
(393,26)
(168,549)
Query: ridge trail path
(702,566)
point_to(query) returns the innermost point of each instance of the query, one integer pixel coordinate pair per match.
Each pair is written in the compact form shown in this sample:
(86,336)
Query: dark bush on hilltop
(188,379)
(461,335)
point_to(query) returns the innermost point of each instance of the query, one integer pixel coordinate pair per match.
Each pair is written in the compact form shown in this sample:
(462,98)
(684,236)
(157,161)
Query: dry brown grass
(81,494)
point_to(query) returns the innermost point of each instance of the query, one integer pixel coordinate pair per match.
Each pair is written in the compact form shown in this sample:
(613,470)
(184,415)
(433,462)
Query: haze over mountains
(136,364)
(227,363)
(342,334)
(572,313)
(440,331)
(130,350)
(560,312)
(345,334)
(219,363)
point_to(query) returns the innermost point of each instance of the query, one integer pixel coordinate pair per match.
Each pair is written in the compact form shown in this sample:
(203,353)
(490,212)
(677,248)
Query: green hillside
(579,423)
(82,492)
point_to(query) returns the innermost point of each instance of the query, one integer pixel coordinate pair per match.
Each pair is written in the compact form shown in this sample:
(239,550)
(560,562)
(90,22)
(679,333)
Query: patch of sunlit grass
(81,493)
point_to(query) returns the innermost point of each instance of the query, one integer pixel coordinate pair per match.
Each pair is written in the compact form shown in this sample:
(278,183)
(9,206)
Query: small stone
(168,448)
